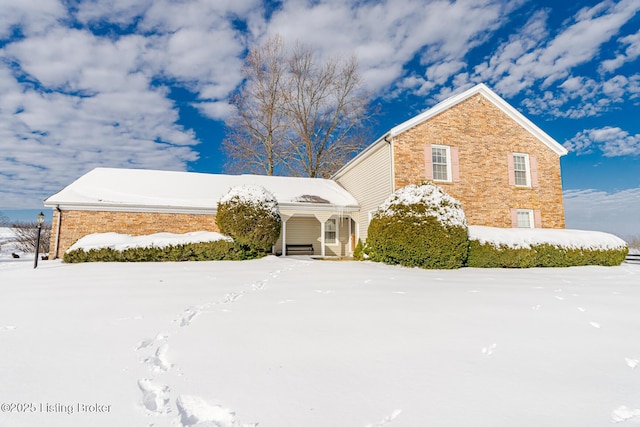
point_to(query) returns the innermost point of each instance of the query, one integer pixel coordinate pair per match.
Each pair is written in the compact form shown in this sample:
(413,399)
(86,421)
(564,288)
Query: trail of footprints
(156,397)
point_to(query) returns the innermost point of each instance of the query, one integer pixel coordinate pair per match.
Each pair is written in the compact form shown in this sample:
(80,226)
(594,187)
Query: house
(137,202)
(503,169)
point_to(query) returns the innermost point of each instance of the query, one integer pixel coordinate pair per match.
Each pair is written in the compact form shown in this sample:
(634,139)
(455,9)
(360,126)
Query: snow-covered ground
(283,342)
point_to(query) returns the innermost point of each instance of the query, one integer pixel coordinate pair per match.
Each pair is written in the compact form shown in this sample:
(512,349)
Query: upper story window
(441,160)
(441,163)
(521,170)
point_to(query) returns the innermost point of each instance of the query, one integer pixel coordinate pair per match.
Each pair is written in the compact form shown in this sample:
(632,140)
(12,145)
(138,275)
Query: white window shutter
(428,163)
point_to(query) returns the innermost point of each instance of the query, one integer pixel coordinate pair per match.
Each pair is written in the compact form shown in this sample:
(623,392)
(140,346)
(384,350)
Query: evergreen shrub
(419,226)
(204,251)
(249,214)
(487,255)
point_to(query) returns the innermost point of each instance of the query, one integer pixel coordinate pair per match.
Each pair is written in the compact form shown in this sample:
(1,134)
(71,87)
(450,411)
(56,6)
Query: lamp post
(40,221)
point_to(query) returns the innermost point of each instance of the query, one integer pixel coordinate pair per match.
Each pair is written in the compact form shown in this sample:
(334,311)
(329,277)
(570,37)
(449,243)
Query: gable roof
(482,89)
(141,190)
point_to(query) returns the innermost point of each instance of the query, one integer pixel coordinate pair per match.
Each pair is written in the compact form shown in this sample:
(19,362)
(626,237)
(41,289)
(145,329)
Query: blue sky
(145,83)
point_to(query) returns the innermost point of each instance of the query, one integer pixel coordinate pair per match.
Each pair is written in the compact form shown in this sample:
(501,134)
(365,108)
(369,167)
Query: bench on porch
(299,249)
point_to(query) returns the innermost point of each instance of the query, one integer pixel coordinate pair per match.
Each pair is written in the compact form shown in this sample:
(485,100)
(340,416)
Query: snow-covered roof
(451,102)
(152,190)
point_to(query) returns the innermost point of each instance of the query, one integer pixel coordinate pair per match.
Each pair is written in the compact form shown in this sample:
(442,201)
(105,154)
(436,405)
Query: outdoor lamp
(40,221)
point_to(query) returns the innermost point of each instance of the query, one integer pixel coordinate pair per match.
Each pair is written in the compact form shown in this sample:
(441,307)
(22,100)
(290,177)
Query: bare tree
(4,221)
(255,133)
(295,114)
(27,237)
(327,109)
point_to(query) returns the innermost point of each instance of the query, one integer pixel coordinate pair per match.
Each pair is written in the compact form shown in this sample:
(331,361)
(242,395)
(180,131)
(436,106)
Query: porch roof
(184,192)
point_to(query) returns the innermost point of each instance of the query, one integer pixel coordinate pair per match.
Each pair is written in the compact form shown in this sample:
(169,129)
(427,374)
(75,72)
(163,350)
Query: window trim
(337,228)
(447,149)
(529,212)
(527,170)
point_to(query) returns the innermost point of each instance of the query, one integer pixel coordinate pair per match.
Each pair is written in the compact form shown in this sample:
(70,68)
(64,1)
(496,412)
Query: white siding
(302,230)
(370,181)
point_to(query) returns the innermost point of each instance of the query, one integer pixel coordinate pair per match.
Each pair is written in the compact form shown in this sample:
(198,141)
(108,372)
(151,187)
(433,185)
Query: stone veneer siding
(485,136)
(76,224)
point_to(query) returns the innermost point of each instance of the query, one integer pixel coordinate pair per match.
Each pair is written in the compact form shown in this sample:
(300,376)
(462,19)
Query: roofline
(122,207)
(503,105)
(480,88)
(362,156)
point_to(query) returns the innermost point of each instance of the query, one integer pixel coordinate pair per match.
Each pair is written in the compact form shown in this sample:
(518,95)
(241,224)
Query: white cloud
(632,52)
(615,213)
(530,60)
(30,16)
(611,141)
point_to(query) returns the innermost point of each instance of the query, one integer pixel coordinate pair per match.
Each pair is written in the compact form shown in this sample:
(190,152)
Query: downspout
(55,250)
(389,141)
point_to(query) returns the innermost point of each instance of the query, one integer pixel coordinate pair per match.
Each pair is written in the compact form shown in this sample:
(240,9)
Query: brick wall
(76,224)
(484,136)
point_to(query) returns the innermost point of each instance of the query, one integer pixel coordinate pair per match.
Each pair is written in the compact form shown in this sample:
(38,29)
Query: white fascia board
(105,207)
(504,106)
(188,210)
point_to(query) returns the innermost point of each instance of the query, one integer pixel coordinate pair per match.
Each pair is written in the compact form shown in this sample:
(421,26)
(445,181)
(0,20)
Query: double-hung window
(331,232)
(521,170)
(441,161)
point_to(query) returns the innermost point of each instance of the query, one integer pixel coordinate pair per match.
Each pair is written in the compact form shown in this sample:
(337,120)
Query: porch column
(322,238)
(350,249)
(284,219)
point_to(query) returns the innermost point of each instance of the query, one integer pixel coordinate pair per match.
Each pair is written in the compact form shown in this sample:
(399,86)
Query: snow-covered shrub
(522,248)
(249,214)
(419,226)
(203,251)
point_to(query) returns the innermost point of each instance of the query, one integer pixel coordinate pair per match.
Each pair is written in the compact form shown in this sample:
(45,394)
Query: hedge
(204,251)
(486,255)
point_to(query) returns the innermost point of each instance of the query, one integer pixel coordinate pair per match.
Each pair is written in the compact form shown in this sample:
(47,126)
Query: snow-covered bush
(419,226)
(521,248)
(249,214)
(114,247)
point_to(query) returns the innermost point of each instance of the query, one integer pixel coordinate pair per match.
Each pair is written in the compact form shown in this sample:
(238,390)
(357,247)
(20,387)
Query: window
(330,232)
(521,170)
(441,161)
(525,218)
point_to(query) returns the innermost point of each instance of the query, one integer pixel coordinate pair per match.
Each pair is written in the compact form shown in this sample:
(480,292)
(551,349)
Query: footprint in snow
(150,341)
(623,414)
(536,307)
(8,328)
(324,292)
(559,298)
(632,363)
(158,362)
(595,325)
(286,301)
(154,397)
(386,419)
(194,410)
(581,309)
(258,286)
(399,293)
(187,316)
(488,351)
(368,281)
(231,297)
